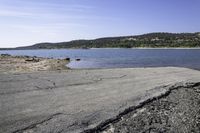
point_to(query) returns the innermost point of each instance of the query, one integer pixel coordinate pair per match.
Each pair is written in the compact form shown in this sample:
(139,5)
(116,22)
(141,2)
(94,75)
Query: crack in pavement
(100,79)
(41,88)
(95,81)
(79,84)
(12,80)
(104,78)
(21,91)
(38,88)
(34,125)
(54,86)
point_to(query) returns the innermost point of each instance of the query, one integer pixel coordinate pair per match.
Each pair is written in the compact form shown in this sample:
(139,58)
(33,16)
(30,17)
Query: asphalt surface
(77,100)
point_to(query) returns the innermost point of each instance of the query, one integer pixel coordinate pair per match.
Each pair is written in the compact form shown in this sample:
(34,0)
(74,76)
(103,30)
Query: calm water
(119,58)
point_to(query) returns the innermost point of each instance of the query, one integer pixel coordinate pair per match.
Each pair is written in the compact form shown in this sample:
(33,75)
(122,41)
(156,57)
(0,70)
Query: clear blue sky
(25,22)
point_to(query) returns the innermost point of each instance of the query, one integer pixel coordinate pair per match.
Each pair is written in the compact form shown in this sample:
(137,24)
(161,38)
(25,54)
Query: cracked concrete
(82,98)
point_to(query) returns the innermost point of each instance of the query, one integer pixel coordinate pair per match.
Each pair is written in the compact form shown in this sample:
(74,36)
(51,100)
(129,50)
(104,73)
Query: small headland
(9,63)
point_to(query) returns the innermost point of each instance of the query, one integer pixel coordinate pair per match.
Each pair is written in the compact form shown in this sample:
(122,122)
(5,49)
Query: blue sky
(26,22)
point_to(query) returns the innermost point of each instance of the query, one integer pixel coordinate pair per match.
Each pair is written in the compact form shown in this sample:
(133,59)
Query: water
(120,58)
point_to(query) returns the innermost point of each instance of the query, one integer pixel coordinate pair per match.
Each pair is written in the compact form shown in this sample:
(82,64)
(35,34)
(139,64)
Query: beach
(97,100)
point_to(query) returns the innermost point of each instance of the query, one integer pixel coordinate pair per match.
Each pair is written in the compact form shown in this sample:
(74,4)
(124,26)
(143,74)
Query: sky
(26,22)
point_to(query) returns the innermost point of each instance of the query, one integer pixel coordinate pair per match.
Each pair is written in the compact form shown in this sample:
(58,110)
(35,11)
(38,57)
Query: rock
(68,59)
(4,55)
(78,59)
(33,59)
(26,56)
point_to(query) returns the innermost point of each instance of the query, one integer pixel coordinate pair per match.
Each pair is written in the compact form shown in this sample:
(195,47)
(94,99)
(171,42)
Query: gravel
(178,112)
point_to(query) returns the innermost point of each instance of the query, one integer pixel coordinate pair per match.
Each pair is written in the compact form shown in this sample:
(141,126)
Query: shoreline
(106,48)
(151,48)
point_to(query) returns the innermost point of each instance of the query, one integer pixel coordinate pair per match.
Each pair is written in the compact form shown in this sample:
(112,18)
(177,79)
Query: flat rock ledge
(10,63)
(176,110)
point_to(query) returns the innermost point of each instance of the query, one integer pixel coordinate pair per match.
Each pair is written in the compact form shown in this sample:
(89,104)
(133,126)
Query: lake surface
(120,58)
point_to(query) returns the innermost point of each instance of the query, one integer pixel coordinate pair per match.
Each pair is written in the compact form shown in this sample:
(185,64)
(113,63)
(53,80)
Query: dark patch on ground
(176,111)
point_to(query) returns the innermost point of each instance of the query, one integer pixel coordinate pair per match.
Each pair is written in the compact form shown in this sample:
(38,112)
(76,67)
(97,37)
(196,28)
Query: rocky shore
(10,63)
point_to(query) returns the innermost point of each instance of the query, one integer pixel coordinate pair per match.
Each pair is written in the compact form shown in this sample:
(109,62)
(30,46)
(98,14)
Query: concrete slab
(75,100)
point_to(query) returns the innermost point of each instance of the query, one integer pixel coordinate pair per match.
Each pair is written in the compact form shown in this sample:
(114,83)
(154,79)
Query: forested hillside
(154,40)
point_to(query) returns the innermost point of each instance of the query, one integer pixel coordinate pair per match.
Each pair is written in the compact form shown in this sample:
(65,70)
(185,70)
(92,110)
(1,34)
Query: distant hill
(153,40)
